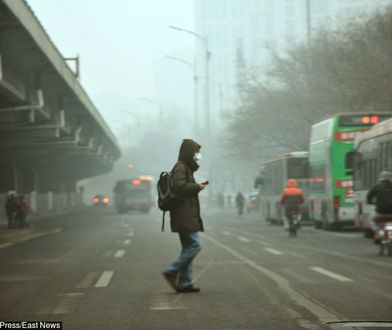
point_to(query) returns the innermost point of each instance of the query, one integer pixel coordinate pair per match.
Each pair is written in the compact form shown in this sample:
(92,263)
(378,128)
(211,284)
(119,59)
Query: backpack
(167,199)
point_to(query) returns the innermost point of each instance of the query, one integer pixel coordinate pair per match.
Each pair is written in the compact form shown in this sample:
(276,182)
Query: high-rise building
(278,24)
(252,28)
(224,22)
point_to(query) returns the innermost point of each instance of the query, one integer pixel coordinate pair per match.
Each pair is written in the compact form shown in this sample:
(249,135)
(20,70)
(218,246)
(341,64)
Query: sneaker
(188,289)
(171,280)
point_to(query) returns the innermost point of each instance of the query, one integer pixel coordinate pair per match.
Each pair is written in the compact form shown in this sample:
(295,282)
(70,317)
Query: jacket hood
(187,151)
(291,183)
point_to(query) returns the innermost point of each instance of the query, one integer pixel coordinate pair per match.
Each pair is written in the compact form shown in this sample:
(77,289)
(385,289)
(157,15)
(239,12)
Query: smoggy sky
(120,43)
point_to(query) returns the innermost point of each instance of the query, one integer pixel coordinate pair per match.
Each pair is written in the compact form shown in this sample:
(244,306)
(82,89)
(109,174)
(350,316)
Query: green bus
(330,182)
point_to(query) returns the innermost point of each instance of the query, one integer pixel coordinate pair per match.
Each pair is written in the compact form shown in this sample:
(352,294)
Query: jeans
(182,266)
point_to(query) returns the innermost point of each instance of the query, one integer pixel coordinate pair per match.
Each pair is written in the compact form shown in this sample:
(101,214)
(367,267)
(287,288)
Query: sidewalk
(14,235)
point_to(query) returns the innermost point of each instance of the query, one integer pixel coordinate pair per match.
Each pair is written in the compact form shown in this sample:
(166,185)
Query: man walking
(240,201)
(185,219)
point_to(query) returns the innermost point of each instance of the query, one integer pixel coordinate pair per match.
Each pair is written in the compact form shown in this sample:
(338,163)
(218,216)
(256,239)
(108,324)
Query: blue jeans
(182,266)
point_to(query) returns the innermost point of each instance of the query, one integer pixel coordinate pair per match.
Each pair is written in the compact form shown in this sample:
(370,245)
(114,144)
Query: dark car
(100,200)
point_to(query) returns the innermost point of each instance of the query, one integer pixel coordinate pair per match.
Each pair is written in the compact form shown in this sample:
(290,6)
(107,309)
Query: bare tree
(339,71)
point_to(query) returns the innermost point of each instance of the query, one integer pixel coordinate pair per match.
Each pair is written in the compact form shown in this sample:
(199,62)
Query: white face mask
(197,157)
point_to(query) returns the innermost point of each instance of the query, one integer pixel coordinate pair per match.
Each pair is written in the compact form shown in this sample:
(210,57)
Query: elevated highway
(51,134)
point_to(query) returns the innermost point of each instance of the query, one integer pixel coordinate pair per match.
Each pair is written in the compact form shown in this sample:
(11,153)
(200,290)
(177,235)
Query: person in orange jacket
(292,197)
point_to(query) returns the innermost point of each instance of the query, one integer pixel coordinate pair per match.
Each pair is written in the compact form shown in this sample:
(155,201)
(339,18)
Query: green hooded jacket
(186,217)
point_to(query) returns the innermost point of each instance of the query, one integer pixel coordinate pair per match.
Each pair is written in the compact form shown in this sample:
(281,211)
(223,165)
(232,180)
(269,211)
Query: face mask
(197,157)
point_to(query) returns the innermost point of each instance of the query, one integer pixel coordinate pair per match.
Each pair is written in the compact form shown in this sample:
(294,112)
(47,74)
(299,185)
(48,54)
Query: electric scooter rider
(382,194)
(292,197)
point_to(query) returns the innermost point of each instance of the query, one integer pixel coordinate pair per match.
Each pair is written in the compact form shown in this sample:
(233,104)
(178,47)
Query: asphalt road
(98,270)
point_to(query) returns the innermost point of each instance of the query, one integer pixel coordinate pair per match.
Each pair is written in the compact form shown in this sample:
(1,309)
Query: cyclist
(292,197)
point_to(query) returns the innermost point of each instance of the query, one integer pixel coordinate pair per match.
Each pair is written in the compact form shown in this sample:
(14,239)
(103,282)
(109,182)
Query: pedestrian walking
(185,219)
(240,201)
(22,211)
(11,208)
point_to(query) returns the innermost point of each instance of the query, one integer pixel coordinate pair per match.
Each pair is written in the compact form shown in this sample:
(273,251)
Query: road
(95,269)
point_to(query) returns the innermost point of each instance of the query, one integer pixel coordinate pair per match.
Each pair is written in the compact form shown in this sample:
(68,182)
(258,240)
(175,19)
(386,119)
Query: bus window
(297,168)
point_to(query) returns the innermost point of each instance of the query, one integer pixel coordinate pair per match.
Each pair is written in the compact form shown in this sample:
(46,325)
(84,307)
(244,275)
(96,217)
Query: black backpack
(167,199)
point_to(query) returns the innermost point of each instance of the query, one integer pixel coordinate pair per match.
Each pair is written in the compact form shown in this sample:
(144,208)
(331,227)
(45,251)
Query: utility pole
(308,21)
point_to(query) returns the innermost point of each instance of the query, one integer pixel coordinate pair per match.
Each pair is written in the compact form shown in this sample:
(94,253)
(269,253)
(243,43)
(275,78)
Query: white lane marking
(226,233)
(127,242)
(243,239)
(331,274)
(131,234)
(323,314)
(130,229)
(119,254)
(162,303)
(87,280)
(105,278)
(273,251)
(379,324)
(66,304)
(323,251)
(5,245)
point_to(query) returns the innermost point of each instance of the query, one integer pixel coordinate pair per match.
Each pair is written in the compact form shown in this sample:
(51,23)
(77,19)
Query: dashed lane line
(87,280)
(322,313)
(67,303)
(224,232)
(331,274)
(119,254)
(104,279)
(273,251)
(323,251)
(127,242)
(244,239)
(131,234)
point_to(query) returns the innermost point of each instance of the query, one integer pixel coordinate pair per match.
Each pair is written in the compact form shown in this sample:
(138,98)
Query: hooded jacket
(186,217)
(292,196)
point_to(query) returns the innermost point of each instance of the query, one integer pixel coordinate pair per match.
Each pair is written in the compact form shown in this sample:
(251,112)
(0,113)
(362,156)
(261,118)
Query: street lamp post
(208,136)
(204,40)
(195,80)
(146,99)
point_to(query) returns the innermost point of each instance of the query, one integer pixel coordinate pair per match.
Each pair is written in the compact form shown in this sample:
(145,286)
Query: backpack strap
(163,221)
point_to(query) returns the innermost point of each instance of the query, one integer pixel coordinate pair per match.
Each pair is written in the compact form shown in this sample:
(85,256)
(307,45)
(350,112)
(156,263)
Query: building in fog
(255,27)
(277,25)
(224,22)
